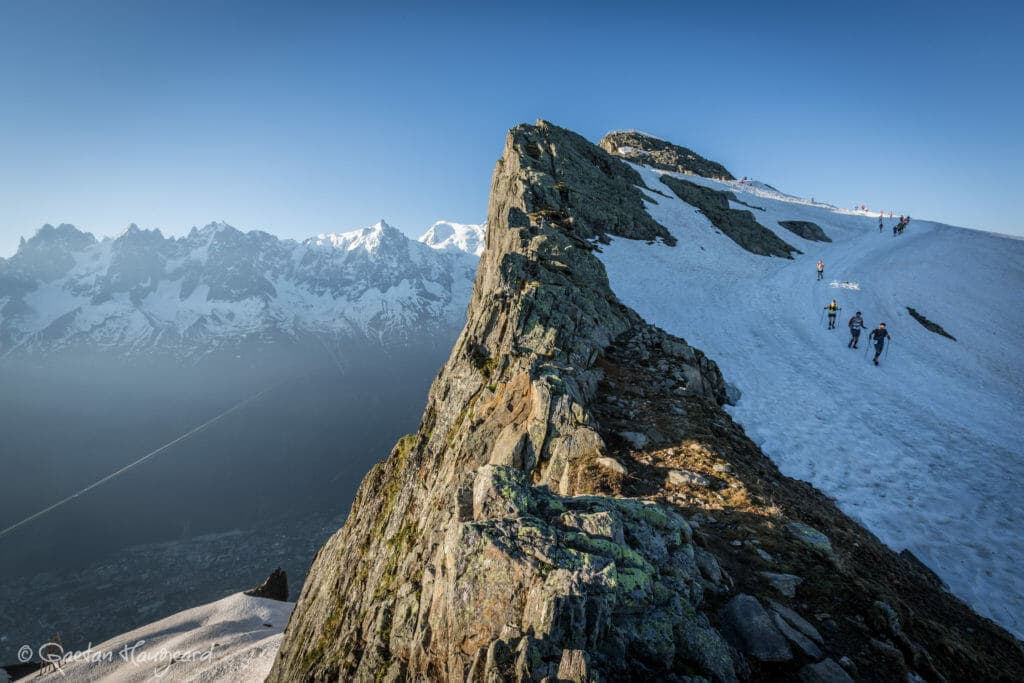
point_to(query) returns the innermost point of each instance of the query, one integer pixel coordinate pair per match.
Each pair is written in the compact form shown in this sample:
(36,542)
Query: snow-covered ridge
(218,285)
(234,639)
(925,449)
(447,236)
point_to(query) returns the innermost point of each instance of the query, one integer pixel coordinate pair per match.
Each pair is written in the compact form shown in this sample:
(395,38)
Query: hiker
(821,269)
(880,223)
(856,324)
(879,335)
(832,309)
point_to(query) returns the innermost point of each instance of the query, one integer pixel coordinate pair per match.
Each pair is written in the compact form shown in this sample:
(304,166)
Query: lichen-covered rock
(495,544)
(657,153)
(811,537)
(470,533)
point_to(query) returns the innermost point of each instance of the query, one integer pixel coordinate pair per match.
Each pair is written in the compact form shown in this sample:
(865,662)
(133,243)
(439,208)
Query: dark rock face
(576,187)
(739,226)
(274,588)
(929,325)
(650,151)
(497,544)
(807,230)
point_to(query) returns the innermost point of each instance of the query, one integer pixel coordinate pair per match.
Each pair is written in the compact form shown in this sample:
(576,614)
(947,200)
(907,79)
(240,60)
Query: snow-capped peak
(366,239)
(220,285)
(447,236)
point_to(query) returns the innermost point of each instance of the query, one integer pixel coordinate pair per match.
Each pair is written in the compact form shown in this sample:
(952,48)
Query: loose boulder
(750,629)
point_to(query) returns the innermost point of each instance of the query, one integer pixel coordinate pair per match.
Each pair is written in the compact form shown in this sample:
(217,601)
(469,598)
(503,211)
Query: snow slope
(233,639)
(926,449)
(448,236)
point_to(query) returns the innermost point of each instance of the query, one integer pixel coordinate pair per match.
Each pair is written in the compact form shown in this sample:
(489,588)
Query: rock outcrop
(738,225)
(274,588)
(656,153)
(528,532)
(929,325)
(807,230)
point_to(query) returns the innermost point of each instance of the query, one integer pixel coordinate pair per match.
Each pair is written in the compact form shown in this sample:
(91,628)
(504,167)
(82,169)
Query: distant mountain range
(219,288)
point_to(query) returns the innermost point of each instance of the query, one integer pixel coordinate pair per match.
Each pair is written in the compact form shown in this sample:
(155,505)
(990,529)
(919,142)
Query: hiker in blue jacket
(879,335)
(856,324)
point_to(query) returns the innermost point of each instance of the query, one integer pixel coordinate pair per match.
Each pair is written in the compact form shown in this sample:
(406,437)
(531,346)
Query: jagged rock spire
(536,526)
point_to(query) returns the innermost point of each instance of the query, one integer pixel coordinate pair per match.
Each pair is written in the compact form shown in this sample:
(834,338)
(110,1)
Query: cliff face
(576,504)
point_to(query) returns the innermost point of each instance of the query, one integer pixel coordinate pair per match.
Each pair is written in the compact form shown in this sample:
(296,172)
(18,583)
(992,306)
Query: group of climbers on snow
(879,335)
(897,228)
(900,226)
(856,324)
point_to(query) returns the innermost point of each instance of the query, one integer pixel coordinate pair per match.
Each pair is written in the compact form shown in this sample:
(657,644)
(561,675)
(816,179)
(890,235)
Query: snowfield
(233,639)
(925,450)
(448,236)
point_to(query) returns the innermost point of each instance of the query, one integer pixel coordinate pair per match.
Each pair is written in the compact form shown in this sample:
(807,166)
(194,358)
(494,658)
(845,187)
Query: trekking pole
(887,347)
(821,317)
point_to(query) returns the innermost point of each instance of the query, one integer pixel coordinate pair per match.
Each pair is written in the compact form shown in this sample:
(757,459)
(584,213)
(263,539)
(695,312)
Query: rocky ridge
(657,153)
(577,506)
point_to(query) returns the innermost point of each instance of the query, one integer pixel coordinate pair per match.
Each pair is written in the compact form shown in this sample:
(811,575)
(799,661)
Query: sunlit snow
(926,450)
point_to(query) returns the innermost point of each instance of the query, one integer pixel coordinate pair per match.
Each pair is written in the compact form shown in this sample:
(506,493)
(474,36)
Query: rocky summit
(576,505)
(657,153)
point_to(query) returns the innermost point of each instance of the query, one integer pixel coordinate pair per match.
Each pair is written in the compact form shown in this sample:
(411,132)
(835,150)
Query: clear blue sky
(300,118)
